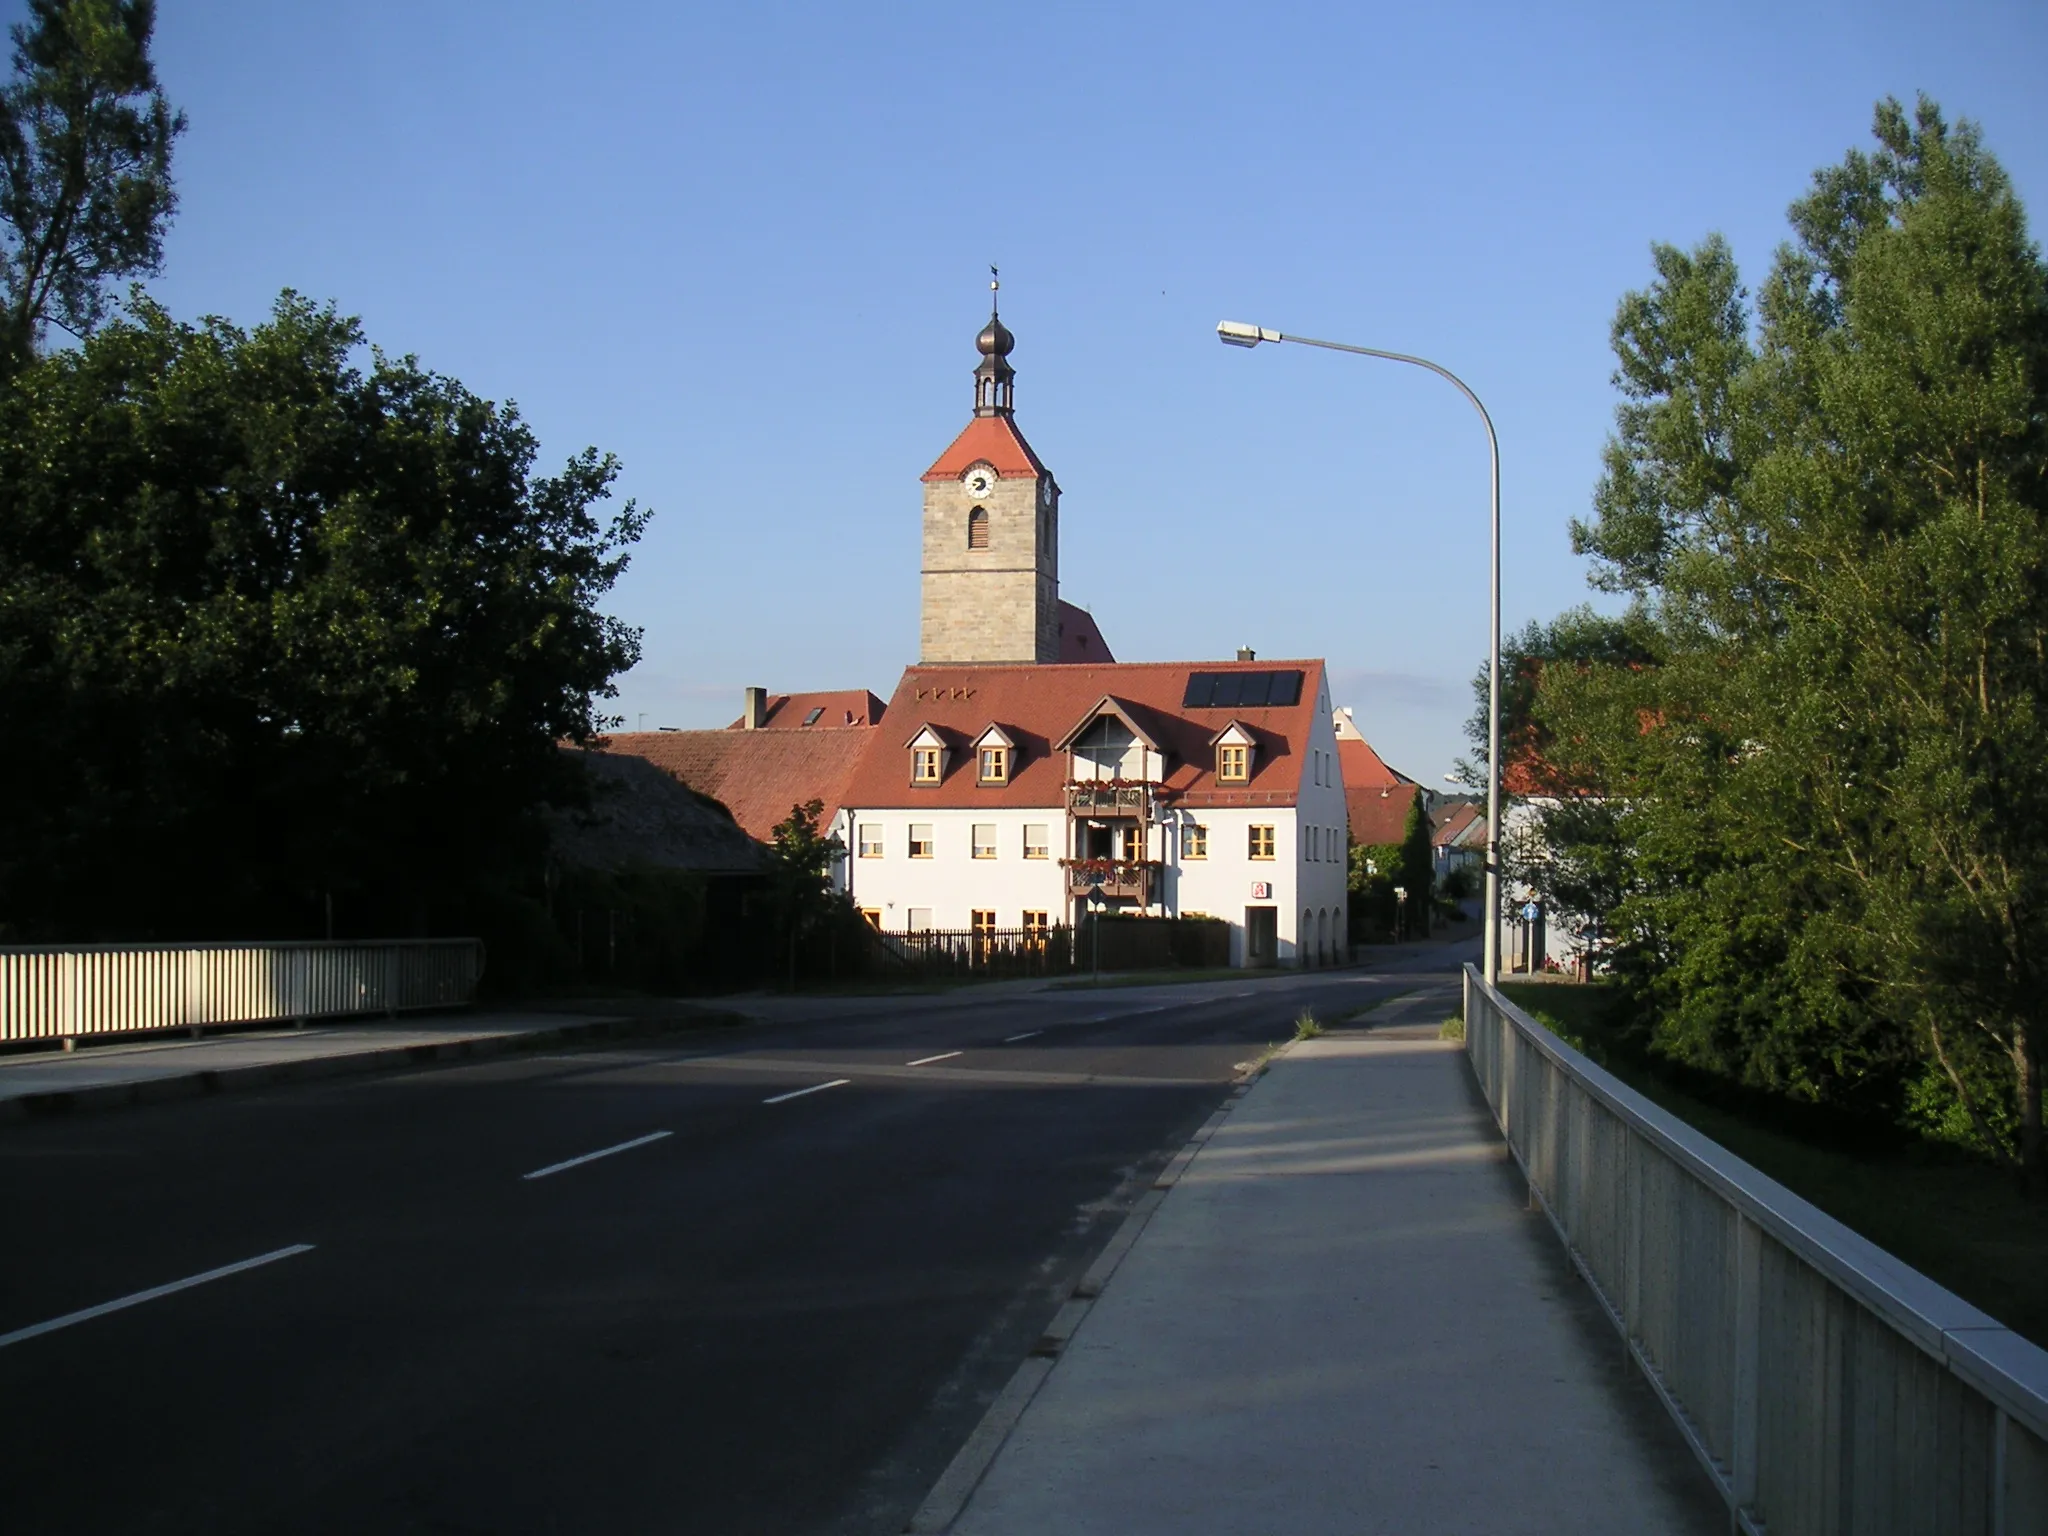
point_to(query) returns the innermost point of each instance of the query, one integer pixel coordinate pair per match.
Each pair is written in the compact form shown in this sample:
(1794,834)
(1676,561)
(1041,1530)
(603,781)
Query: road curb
(963,1474)
(205,1082)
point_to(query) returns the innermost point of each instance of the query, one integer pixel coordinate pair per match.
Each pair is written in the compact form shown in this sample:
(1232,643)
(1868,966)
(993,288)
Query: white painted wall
(952,883)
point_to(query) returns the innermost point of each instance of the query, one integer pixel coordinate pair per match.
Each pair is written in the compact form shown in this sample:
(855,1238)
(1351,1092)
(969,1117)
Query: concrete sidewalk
(1341,1318)
(152,1070)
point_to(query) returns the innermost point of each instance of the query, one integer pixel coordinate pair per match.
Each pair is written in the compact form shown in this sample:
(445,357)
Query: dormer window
(1234,753)
(927,757)
(995,754)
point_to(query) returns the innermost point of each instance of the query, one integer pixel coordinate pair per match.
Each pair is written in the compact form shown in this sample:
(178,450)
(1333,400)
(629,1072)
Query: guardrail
(1828,1388)
(102,989)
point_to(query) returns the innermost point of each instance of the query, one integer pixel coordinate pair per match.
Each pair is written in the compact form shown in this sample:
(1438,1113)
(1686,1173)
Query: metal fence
(1828,1388)
(990,952)
(103,989)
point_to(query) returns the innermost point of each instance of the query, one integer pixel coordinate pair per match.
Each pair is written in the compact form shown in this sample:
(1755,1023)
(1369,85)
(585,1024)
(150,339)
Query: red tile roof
(1080,640)
(992,440)
(1454,826)
(1377,813)
(1040,705)
(1365,768)
(847,707)
(757,775)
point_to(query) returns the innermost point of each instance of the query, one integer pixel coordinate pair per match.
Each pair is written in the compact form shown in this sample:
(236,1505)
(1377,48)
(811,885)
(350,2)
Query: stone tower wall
(999,604)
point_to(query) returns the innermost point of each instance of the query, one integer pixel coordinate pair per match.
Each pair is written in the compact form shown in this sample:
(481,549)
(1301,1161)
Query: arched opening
(1307,939)
(977,528)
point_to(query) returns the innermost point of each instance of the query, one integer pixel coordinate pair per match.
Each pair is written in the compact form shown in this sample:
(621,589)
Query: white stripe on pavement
(925,1061)
(591,1157)
(784,1098)
(1013,1039)
(150,1295)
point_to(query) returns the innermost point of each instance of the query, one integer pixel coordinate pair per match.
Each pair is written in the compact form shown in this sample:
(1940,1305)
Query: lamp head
(1235,333)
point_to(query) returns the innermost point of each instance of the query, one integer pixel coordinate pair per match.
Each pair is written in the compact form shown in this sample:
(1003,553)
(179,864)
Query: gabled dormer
(995,757)
(1114,740)
(930,756)
(1236,752)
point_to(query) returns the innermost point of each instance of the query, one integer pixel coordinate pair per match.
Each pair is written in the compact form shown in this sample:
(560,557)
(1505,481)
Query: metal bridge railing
(103,989)
(1828,1388)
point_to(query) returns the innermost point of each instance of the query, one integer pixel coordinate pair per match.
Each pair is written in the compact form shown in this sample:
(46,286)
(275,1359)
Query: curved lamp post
(1237,334)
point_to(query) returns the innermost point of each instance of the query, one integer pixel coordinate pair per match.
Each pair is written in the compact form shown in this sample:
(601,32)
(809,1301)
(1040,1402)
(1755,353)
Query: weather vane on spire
(995,283)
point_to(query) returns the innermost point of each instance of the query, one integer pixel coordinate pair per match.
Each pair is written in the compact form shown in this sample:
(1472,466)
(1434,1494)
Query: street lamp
(1236,333)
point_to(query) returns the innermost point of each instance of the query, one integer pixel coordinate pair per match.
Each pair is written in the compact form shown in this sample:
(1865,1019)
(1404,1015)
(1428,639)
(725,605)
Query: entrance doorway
(1261,937)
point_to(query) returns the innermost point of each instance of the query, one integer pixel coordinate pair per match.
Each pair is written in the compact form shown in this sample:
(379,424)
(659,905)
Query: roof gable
(1116,709)
(991,440)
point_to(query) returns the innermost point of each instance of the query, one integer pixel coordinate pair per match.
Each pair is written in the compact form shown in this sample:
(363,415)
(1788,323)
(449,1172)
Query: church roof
(1080,637)
(1041,705)
(992,440)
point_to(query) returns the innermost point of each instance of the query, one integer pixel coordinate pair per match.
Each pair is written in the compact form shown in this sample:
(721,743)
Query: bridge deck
(1344,1319)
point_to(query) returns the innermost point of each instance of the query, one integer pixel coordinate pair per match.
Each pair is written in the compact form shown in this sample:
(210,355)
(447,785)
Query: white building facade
(1008,798)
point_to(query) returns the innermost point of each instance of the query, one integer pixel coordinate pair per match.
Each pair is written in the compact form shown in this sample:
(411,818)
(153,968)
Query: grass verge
(1959,1220)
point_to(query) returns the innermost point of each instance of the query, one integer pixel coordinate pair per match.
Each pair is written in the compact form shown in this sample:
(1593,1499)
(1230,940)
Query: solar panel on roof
(1243,690)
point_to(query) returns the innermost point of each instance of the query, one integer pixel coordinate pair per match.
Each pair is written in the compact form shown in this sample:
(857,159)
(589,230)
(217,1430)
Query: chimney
(756,714)
(1246,653)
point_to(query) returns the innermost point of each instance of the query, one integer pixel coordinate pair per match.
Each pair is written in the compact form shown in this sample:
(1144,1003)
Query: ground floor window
(1036,926)
(873,915)
(920,919)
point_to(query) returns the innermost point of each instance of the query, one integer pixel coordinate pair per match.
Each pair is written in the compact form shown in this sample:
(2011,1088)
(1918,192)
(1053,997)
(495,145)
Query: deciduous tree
(1831,758)
(85,167)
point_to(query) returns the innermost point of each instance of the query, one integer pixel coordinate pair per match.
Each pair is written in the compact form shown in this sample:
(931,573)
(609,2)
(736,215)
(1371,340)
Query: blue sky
(746,248)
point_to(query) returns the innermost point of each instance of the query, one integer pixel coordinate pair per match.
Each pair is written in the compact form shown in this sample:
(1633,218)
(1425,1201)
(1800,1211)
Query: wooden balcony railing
(1085,798)
(1118,882)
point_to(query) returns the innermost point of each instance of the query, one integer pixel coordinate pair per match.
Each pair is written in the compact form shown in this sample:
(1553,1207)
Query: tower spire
(994,378)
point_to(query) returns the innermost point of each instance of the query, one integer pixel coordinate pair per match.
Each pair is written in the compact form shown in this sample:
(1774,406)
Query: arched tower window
(977,528)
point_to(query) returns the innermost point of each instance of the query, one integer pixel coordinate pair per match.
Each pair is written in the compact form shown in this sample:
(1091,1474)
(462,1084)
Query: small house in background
(1457,839)
(1377,797)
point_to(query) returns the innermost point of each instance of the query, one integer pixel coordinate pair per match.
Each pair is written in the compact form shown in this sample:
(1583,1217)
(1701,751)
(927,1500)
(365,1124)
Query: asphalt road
(770,1310)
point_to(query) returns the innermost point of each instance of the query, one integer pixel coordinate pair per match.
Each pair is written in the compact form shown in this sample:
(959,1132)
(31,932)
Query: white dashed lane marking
(591,1157)
(784,1098)
(89,1313)
(925,1061)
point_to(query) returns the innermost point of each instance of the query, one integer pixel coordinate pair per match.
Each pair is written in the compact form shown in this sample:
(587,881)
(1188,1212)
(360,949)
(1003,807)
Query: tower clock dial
(979,481)
(1045,492)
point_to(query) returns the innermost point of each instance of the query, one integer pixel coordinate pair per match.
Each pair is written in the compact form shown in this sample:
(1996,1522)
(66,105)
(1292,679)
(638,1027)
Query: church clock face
(979,482)
(1045,492)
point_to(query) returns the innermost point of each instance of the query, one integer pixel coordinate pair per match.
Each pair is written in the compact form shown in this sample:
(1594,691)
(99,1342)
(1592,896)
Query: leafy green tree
(1377,869)
(276,627)
(800,860)
(85,167)
(1829,762)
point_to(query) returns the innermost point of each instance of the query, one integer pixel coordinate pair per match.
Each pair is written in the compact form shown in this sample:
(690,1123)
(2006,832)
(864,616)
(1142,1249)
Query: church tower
(991,582)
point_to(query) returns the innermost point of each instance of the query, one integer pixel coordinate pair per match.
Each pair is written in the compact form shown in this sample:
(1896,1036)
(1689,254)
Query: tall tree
(85,167)
(1832,765)
(273,624)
